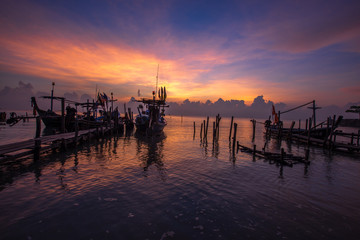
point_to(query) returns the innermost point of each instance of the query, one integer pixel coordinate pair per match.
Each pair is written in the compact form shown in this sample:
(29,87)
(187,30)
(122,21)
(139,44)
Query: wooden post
(88,114)
(204,134)
(234,138)
(112,105)
(280,130)
(291,129)
(207,126)
(309,132)
(307,154)
(327,126)
(332,129)
(37,140)
(254,150)
(38,127)
(279,115)
(231,125)
(214,132)
(282,155)
(201,130)
(254,126)
(125,112)
(62,115)
(217,126)
(76,129)
(194,129)
(314,112)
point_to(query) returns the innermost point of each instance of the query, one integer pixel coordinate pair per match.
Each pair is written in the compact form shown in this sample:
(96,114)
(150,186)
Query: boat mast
(157,79)
(314,108)
(52,95)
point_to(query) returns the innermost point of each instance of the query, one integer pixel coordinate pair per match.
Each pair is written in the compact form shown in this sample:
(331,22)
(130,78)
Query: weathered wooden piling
(234,138)
(214,132)
(38,127)
(62,115)
(217,126)
(204,125)
(207,126)
(309,132)
(254,126)
(331,141)
(231,126)
(37,140)
(307,151)
(280,129)
(291,130)
(76,129)
(194,130)
(201,131)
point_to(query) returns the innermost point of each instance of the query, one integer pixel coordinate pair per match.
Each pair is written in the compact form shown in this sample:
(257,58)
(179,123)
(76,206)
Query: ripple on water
(177,187)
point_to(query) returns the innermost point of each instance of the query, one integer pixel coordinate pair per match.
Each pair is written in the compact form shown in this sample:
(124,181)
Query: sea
(178,186)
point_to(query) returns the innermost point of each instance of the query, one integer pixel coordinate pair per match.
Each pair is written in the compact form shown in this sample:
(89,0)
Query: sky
(285,51)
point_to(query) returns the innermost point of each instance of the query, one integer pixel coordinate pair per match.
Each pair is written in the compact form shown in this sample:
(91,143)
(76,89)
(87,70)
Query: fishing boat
(52,119)
(151,120)
(318,131)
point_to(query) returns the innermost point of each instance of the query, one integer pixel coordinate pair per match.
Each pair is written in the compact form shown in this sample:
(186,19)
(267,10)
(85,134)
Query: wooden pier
(282,158)
(42,144)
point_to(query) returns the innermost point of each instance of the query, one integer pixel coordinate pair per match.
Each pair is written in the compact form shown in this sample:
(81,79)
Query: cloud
(17,98)
(306,26)
(73,96)
(119,45)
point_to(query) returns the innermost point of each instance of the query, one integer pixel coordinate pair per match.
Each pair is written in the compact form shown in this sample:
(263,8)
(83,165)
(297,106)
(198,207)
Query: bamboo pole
(234,138)
(309,132)
(37,136)
(62,115)
(254,126)
(207,126)
(231,125)
(214,131)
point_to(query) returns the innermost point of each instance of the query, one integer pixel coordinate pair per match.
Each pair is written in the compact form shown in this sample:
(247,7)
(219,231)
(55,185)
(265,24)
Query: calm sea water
(175,187)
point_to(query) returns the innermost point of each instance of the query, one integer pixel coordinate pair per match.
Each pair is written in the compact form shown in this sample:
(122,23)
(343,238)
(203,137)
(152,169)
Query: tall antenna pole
(52,95)
(157,79)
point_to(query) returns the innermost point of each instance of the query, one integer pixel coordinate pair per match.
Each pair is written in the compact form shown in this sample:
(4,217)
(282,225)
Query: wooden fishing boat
(52,119)
(318,132)
(152,119)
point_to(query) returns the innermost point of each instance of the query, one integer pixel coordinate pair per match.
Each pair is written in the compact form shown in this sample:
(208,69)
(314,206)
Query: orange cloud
(84,62)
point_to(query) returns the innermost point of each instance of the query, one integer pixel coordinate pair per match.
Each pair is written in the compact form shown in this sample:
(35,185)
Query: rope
(296,107)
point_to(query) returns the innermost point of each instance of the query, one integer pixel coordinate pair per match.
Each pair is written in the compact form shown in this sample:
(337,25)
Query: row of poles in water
(204,129)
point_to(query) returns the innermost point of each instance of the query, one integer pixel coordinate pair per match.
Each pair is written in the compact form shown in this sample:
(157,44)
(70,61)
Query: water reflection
(150,152)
